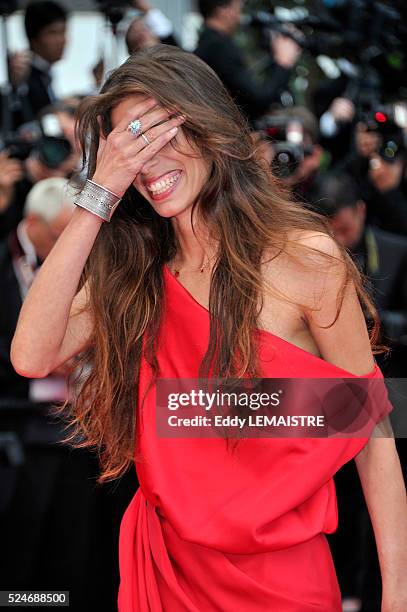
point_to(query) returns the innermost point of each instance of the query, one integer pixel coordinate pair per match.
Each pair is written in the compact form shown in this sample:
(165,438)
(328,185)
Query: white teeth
(163,185)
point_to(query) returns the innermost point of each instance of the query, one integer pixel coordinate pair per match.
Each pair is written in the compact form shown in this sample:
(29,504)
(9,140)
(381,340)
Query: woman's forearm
(44,315)
(384,489)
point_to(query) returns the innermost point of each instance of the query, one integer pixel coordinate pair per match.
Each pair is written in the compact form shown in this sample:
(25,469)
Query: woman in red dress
(206,268)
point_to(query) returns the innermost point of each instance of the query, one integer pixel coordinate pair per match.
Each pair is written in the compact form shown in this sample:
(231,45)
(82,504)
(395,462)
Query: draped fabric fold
(210,530)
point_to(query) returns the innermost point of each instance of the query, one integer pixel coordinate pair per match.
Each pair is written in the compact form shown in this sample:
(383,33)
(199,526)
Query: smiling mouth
(165,183)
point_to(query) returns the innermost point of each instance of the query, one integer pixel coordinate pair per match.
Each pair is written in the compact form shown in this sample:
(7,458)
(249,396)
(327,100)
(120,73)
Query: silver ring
(145,138)
(134,127)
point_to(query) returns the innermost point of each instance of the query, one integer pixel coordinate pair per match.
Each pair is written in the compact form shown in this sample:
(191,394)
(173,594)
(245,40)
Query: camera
(286,136)
(389,121)
(43,138)
(362,29)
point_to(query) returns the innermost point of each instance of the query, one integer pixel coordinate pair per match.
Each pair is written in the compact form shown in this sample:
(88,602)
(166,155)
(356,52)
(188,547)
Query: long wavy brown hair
(245,211)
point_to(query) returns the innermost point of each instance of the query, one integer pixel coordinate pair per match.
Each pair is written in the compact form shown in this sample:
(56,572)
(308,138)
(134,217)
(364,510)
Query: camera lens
(53,151)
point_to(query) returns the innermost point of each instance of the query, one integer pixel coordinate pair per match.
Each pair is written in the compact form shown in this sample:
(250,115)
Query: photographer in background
(381,255)
(335,109)
(336,125)
(378,165)
(47,210)
(45,149)
(45,27)
(289,143)
(150,28)
(218,49)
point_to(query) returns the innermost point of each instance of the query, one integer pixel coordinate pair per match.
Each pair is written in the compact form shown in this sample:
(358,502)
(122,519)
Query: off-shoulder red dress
(208,531)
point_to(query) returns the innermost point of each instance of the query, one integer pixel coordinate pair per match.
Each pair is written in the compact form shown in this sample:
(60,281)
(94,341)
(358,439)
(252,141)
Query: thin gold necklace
(176,271)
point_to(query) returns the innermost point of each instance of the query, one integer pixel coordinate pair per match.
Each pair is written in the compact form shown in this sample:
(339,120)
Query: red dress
(209,531)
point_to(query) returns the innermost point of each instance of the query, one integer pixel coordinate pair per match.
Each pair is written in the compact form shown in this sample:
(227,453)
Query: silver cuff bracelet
(98,200)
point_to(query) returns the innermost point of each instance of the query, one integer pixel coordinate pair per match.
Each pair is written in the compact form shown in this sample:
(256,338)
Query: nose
(150,165)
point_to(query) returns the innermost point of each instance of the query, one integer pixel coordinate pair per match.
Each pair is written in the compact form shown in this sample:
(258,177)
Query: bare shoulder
(288,289)
(295,280)
(316,278)
(302,268)
(306,246)
(318,244)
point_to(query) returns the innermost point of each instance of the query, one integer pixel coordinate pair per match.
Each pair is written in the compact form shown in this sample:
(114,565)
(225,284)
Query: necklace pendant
(176,273)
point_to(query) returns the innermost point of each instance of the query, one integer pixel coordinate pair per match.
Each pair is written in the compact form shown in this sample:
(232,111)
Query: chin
(171,209)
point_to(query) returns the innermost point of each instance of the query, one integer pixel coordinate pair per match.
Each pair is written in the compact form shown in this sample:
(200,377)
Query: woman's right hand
(121,155)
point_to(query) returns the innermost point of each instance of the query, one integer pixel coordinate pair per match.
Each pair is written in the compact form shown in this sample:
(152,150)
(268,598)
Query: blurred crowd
(343,153)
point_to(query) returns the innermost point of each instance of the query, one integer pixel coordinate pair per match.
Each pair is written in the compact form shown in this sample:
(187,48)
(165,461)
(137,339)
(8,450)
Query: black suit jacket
(221,53)
(11,384)
(384,257)
(32,96)
(38,90)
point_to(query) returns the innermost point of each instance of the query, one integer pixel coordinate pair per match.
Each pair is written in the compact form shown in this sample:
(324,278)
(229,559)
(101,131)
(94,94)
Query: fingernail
(173,130)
